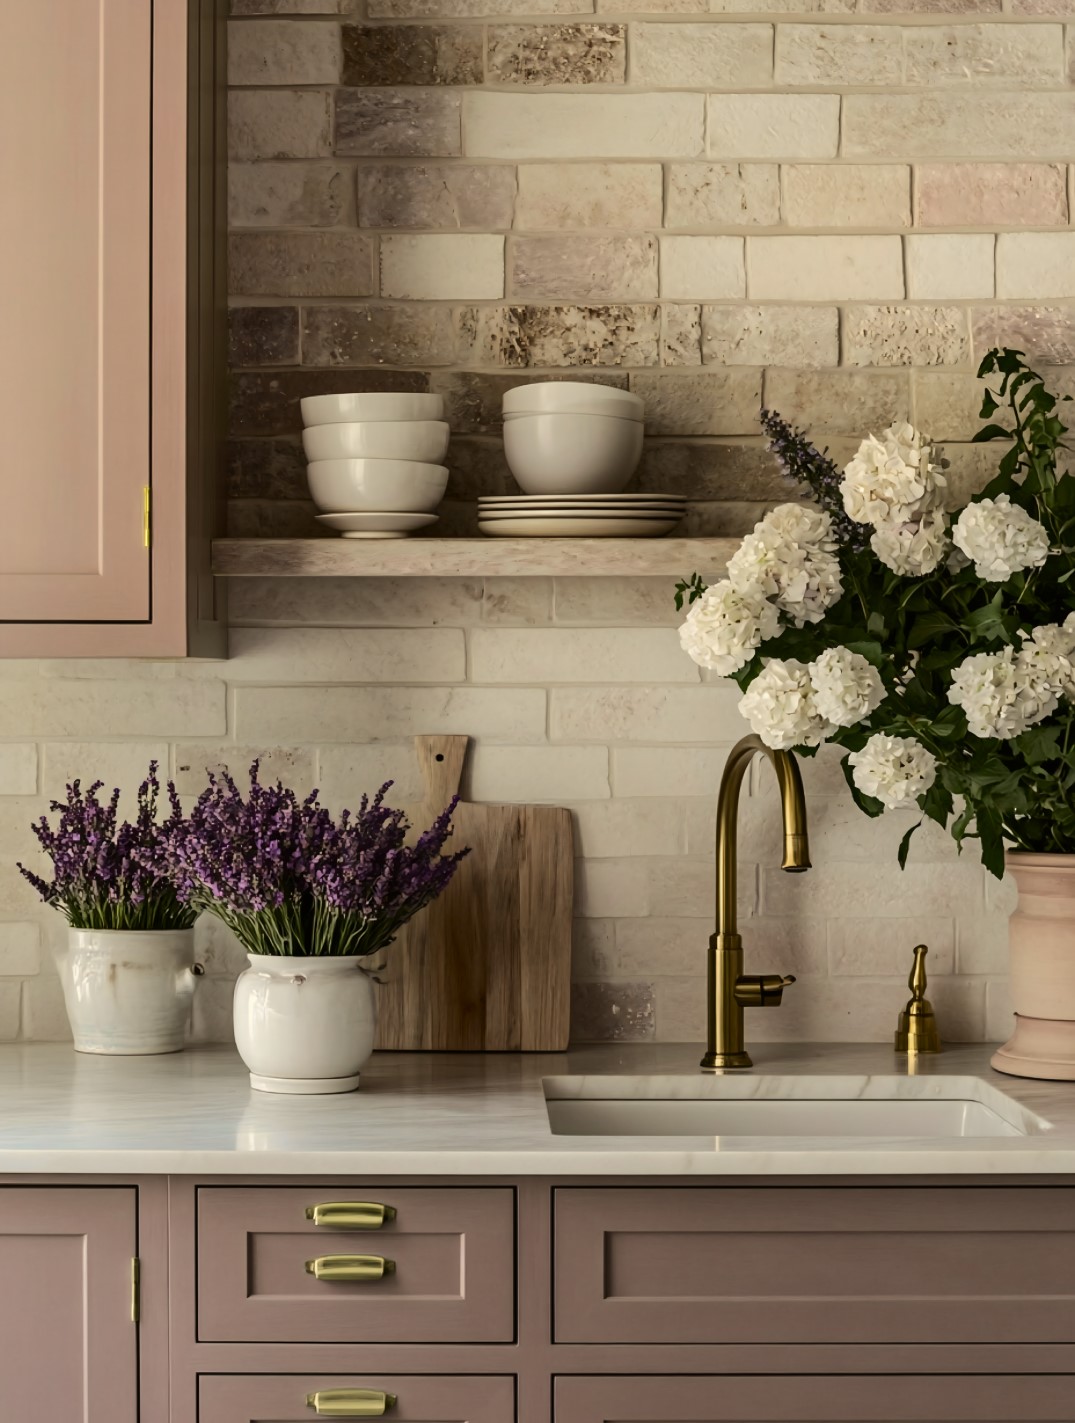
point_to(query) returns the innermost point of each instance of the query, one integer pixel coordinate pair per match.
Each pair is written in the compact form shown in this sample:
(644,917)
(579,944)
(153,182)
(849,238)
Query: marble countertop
(484,1115)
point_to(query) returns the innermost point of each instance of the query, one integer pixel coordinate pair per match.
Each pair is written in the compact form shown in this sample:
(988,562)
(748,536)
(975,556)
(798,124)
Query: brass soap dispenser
(917,1028)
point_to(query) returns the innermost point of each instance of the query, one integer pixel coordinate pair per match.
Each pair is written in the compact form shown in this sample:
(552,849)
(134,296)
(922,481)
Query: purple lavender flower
(103,875)
(289,879)
(804,463)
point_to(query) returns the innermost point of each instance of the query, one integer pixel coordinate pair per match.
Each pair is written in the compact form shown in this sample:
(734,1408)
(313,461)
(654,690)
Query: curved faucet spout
(730,990)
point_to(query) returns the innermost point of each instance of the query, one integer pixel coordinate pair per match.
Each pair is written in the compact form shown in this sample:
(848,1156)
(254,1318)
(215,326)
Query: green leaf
(866,803)
(872,651)
(905,845)
(1039,744)
(991,432)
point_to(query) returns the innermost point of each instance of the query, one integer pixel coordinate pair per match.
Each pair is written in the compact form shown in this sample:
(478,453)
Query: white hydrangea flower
(1046,661)
(892,480)
(779,704)
(725,626)
(895,770)
(1001,538)
(914,548)
(999,698)
(846,687)
(790,559)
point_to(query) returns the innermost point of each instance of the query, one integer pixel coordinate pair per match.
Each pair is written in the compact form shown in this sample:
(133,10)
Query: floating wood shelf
(469,558)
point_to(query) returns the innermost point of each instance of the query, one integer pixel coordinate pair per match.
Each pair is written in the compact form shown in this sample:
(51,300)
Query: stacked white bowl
(374,461)
(573,447)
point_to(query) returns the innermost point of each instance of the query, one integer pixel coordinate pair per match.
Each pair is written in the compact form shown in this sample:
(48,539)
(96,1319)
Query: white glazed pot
(1042,946)
(304,1025)
(128,991)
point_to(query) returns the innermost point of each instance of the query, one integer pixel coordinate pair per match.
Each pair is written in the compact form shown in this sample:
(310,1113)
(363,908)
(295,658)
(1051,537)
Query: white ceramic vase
(1042,938)
(128,991)
(304,1025)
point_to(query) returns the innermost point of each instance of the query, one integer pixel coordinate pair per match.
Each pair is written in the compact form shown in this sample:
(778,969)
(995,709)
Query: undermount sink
(762,1106)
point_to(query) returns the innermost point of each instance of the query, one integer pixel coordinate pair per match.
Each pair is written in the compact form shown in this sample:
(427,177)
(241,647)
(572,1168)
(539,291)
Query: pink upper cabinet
(102,380)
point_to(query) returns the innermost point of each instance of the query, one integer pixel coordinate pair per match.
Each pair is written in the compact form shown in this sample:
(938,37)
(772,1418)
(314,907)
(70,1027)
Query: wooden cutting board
(487,966)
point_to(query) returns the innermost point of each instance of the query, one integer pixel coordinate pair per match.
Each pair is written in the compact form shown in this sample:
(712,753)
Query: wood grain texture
(468,558)
(487,967)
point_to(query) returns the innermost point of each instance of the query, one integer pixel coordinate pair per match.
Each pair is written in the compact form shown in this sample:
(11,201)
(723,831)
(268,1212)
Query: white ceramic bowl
(384,405)
(564,453)
(572,397)
(422,440)
(376,486)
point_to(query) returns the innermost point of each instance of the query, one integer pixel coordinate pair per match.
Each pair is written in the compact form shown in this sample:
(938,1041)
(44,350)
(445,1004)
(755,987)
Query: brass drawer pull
(351,1215)
(350,1267)
(350,1402)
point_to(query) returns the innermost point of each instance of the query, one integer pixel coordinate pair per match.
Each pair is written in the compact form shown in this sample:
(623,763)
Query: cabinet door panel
(825,1265)
(74,347)
(69,1346)
(1005,1398)
(424,1398)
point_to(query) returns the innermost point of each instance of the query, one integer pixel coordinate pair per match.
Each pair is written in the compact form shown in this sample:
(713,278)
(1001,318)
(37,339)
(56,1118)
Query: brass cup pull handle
(350,1402)
(351,1215)
(350,1267)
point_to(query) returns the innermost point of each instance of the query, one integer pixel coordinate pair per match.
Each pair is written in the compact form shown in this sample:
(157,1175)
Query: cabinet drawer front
(1003,1398)
(825,1266)
(250,1398)
(448,1276)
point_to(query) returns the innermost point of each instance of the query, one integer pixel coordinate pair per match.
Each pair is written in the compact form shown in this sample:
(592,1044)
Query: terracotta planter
(1042,969)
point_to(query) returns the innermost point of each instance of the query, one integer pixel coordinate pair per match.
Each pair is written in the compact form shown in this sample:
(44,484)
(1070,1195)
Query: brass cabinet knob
(351,1215)
(350,1402)
(350,1267)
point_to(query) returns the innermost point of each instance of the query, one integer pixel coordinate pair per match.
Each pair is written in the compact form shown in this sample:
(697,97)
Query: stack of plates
(579,516)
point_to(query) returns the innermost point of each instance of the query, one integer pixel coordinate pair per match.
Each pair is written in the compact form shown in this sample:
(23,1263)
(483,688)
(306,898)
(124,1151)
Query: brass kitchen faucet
(730,989)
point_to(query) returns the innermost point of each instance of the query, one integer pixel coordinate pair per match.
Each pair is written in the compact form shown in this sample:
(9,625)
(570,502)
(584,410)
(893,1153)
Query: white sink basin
(763,1106)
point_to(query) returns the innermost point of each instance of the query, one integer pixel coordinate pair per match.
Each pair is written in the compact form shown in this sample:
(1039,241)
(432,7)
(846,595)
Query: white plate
(576,528)
(376,526)
(598,511)
(538,501)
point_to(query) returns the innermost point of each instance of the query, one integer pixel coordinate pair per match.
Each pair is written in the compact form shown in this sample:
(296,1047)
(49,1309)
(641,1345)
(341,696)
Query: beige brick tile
(770,335)
(686,886)
(999,1011)
(723,195)
(947,403)
(408,123)
(283,52)
(443,195)
(18,768)
(10,994)
(778,8)
(839,402)
(465,9)
(557,54)
(1036,264)
(279,123)
(660,714)
(983,54)
(289,194)
(267,402)
(442,266)
(686,56)
(375,602)
(931,7)
(263,335)
(583,125)
(1045,333)
(706,268)
(593,949)
(589,195)
(681,335)
(337,655)
(833,54)
(294,766)
(659,946)
(824,268)
(371,335)
(773,125)
(300,264)
(20,951)
(346,773)
(568,336)
(707,470)
(607,829)
(604,888)
(680,1009)
(290,7)
(412,54)
(557,775)
(584,268)
(309,715)
(905,336)
(847,195)
(950,267)
(611,1012)
(662,771)
(868,947)
(17,814)
(837,890)
(956,125)
(715,402)
(611,602)
(117,763)
(557,655)
(651,7)
(991,194)
(91,709)
(982,943)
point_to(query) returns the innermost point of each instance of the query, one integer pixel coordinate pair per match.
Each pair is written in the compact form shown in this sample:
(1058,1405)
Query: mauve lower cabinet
(488,1301)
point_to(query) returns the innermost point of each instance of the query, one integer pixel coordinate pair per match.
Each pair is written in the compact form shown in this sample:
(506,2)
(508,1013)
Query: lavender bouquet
(103,874)
(288,879)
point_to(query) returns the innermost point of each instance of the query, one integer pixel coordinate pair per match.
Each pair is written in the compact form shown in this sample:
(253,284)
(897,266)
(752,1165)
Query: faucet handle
(761,990)
(916,1028)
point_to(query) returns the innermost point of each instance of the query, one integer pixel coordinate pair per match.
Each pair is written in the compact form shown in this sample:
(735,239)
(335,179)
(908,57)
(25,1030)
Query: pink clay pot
(1042,936)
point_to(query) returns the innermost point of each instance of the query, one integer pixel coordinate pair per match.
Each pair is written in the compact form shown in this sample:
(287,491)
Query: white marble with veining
(485,1115)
